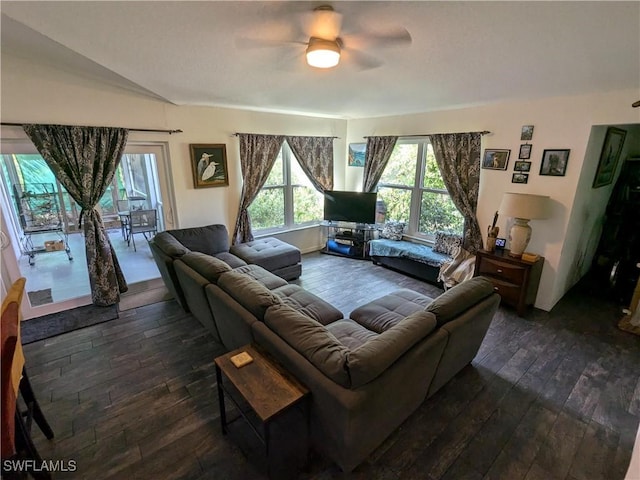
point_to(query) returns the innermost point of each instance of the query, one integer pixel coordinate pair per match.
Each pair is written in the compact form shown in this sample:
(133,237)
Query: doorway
(53,258)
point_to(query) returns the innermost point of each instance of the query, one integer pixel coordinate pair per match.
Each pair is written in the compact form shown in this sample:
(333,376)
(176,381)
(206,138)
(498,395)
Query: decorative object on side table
(496,159)
(522,207)
(492,234)
(611,149)
(554,162)
(209,165)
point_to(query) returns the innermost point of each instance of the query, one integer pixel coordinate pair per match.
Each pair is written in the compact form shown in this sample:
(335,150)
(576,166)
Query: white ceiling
(462,53)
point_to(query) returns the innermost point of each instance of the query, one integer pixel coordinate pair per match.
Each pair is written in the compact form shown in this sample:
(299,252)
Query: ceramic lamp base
(519,237)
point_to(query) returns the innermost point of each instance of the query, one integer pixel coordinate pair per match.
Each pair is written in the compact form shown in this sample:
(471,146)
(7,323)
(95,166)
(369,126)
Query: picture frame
(496,159)
(527,132)
(209,165)
(522,166)
(554,162)
(357,154)
(609,156)
(525,151)
(520,178)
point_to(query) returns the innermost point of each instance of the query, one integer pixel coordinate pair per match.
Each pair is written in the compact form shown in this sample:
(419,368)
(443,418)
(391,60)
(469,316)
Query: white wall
(38,94)
(563,122)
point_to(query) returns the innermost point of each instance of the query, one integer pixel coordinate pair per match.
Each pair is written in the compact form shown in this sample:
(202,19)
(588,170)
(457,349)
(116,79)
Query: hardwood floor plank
(555,395)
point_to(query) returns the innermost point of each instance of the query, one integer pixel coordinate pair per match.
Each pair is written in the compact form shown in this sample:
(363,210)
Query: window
(413,191)
(287,199)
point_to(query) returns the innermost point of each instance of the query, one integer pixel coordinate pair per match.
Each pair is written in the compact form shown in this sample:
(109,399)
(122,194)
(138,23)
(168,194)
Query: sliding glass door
(40,221)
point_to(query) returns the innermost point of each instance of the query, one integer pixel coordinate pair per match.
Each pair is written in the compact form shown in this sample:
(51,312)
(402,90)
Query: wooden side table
(266,387)
(514,279)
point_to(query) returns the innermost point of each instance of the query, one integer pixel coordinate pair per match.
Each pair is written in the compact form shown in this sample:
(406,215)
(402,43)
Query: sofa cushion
(311,339)
(447,243)
(350,333)
(392,230)
(385,312)
(209,267)
(230,259)
(210,239)
(308,303)
(170,245)
(368,361)
(249,293)
(270,253)
(261,275)
(460,298)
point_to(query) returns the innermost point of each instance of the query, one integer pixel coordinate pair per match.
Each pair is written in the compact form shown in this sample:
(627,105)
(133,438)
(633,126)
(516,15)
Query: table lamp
(522,207)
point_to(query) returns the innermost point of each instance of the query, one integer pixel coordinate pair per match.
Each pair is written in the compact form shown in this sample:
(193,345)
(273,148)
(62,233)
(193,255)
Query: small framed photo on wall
(522,166)
(525,151)
(520,178)
(554,162)
(527,132)
(496,159)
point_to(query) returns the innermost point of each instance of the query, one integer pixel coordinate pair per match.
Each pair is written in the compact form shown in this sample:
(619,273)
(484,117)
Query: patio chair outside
(141,221)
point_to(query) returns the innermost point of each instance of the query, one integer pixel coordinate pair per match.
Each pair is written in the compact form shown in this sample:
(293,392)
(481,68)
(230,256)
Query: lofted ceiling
(250,55)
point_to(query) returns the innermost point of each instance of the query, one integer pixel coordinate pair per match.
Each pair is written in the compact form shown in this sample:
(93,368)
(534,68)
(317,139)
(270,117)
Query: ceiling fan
(326,42)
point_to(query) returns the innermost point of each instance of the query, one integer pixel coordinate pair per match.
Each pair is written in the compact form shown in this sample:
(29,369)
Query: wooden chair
(142,221)
(15,424)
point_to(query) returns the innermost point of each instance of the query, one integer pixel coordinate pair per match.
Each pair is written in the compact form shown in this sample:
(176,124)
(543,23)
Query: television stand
(348,240)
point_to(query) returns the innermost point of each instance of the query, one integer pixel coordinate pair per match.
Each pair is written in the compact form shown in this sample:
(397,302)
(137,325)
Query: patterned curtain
(379,150)
(458,157)
(258,153)
(315,155)
(84,160)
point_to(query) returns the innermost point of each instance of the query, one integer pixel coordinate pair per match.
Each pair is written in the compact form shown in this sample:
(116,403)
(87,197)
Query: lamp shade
(524,205)
(323,53)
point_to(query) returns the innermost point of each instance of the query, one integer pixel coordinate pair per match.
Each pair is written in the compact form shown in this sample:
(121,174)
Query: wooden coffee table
(265,386)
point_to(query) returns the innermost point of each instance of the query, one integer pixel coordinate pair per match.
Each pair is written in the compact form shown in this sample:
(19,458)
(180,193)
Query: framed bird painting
(209,165)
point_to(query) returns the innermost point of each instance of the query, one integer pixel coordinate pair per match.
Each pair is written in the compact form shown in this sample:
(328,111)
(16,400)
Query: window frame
(288,189)
(417,189)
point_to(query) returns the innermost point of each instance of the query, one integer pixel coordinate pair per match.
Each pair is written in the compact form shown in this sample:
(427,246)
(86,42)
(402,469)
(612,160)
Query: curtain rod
(484,132)
(7,124)
(272,135)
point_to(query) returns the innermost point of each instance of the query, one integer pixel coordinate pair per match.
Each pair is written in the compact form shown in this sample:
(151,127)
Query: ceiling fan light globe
(323,53)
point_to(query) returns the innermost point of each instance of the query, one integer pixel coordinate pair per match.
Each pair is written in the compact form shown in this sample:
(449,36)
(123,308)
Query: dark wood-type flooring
(551,396)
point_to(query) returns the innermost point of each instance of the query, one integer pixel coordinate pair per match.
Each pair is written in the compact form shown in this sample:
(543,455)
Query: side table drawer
(502,270)
(510,293)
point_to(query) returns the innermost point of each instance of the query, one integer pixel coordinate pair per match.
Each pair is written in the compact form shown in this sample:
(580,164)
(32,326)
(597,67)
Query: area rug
(40,297)
(67,321)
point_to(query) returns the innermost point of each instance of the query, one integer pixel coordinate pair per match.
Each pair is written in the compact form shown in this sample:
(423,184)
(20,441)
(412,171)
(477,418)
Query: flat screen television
(356,207)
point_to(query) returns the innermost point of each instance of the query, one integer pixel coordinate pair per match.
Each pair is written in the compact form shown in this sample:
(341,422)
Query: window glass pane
(298,177)
(397,202)
(267,210)
(401,169)
(432,177)
(437,212)
(276,177)
(308,205)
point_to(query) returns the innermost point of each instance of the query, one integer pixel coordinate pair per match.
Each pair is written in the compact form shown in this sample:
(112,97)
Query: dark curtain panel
(315,155)
(258,153)
(458,157)
(379,150)
(84,160)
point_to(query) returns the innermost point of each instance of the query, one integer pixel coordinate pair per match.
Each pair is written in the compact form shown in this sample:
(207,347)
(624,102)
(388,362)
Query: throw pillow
(447,243)
(392,230)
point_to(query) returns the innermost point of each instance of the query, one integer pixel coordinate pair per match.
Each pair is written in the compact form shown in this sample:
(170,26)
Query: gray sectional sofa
(366,373)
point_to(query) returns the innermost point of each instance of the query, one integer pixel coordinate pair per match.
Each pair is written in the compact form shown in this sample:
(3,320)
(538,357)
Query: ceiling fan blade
(272,34)
(245,43)
(394,37)
(360,59)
